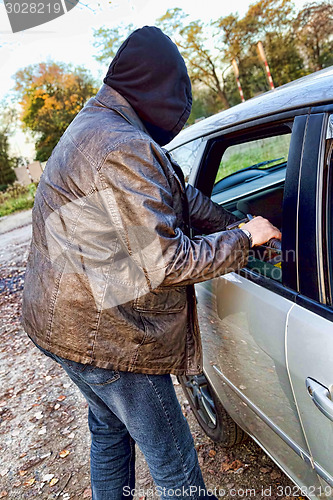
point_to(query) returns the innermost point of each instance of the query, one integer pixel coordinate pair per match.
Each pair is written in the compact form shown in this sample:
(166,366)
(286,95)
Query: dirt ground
(44,437)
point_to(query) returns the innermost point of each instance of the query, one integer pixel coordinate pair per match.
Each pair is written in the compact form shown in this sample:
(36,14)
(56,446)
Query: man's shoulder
(96,131)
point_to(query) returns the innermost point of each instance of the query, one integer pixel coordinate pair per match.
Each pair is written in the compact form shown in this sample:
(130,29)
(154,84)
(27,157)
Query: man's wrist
(249,235)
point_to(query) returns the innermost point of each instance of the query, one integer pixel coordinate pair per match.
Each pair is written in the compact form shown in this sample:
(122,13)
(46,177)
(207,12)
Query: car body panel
(237,346)
(309,347)
(290,458)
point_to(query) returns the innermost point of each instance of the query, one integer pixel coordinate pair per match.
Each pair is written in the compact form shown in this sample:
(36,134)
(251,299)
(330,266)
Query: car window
(185,156)
(250,180)
(260,154)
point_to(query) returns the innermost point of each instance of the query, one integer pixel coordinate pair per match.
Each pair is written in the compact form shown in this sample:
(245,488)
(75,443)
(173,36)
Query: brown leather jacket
(110,274)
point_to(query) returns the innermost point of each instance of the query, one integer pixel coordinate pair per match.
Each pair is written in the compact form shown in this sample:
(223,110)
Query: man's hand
(261,230)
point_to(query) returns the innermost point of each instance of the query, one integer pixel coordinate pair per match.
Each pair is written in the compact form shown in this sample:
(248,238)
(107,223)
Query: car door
(309,341)
(243,316)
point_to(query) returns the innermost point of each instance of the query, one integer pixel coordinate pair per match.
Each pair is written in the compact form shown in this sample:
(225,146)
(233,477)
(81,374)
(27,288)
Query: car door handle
(321,397)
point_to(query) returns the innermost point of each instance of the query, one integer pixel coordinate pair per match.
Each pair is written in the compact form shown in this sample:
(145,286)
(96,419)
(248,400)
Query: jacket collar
(113,100)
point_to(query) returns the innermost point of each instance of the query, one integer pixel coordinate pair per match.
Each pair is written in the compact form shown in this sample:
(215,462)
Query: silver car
(267,330)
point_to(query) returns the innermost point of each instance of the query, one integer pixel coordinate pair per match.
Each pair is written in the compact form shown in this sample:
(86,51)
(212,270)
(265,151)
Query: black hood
(150,73)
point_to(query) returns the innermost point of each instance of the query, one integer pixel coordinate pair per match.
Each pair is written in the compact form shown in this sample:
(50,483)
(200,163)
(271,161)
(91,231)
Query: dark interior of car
(267,203)
(267,199)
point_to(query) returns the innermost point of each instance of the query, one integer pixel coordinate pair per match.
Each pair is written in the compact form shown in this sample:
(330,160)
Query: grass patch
(244,155)
(17,198)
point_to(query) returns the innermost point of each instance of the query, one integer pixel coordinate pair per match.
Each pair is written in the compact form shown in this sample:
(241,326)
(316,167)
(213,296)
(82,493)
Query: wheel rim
(201,398)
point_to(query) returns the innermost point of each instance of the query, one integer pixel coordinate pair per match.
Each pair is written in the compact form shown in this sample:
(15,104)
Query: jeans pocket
(73,366)
(95,376)
(90,374)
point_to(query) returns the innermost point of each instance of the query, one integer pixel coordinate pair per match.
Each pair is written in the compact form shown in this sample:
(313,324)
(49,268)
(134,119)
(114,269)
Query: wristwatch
(249,235)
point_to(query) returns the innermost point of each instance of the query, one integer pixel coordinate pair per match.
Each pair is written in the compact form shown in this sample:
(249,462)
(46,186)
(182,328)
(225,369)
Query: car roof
(310,90)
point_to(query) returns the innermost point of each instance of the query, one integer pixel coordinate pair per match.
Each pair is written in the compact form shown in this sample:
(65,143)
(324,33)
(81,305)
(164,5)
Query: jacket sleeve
(139,200)
(206,216)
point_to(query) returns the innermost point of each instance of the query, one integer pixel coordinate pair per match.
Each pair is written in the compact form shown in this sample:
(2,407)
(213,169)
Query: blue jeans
(127,408)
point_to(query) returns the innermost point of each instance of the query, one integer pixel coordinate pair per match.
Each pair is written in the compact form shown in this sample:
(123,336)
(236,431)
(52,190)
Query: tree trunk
(223,97)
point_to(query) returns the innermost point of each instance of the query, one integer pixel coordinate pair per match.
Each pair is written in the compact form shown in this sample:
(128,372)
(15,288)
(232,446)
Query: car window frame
(197,159)
(328,210)
(216,147)
(318,306)
(309,223)
(255,129)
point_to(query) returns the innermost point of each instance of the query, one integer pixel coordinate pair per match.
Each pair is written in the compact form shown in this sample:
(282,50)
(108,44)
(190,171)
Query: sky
(69,37)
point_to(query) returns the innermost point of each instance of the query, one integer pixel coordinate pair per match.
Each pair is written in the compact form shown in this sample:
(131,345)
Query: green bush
(17,197)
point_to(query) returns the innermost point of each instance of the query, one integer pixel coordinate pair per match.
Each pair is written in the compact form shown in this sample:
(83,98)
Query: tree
(108,41)
(269,21)
(236,40)
(314,28)
(192,41)
(7,162)
(204,61)
(203,104)
(209,48)
(51,96)
(275,27)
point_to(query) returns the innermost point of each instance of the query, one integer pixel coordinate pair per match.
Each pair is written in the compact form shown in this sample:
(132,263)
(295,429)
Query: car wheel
(209,412)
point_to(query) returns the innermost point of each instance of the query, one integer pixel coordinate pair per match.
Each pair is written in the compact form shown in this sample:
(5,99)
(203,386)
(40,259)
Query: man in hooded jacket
(109,282)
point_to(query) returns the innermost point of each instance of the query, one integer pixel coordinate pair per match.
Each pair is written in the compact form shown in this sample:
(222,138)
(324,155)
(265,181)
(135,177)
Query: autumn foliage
(296,43)
(51,96)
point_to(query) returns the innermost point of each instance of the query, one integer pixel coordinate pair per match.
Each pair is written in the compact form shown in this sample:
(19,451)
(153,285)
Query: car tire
(209,412)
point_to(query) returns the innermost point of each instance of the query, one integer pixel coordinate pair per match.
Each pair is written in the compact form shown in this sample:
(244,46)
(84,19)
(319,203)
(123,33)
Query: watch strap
(249,235)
